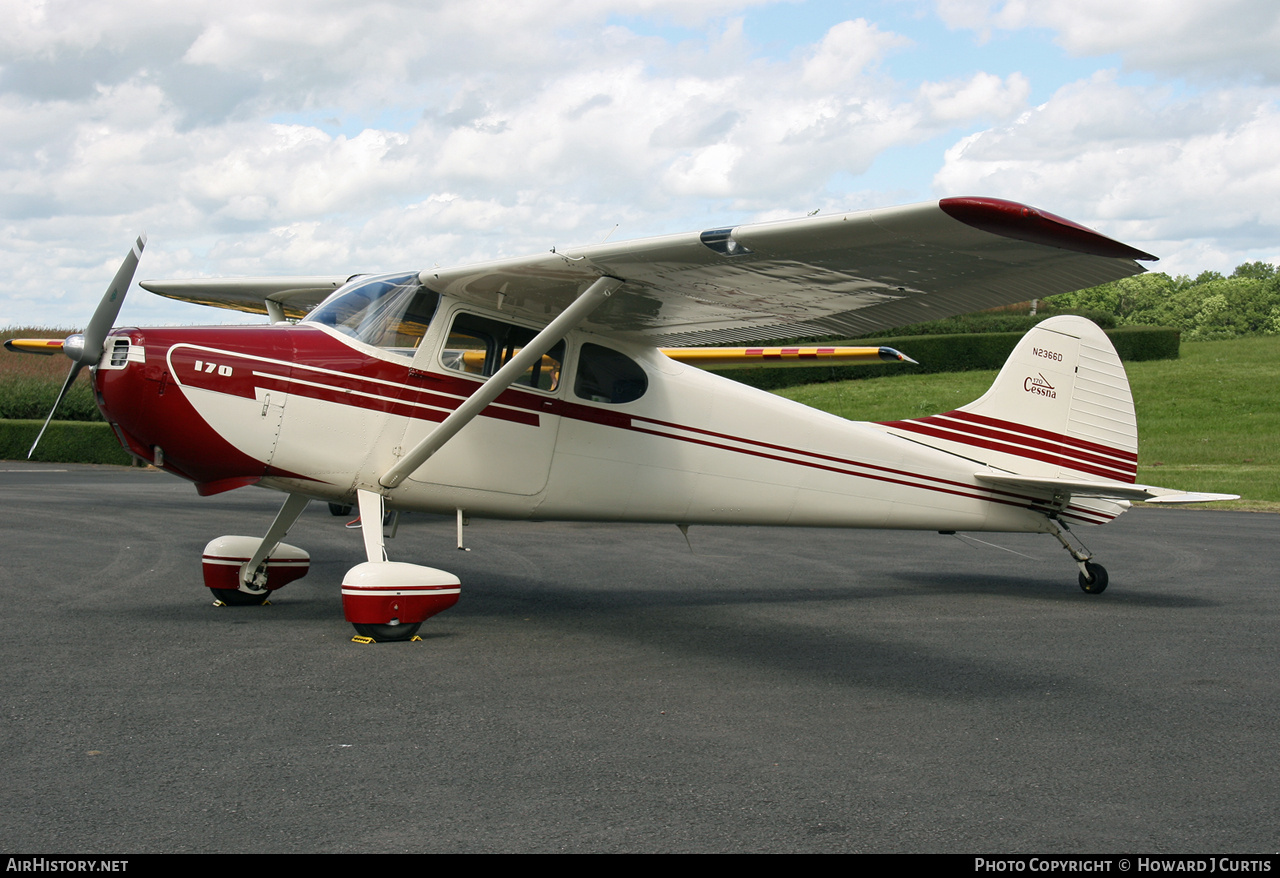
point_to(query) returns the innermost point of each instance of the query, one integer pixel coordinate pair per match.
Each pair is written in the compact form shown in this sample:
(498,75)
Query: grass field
(1208,421)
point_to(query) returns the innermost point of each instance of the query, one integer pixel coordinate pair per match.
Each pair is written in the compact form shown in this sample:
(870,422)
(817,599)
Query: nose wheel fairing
(224,562)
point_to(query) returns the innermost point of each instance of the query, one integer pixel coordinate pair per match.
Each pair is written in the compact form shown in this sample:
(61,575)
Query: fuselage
(306,409)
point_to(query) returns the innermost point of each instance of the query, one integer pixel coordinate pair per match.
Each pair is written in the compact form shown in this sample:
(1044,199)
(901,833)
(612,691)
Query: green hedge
(1134,343)
(997,321)
(950,353)
(63,442)
(29,397)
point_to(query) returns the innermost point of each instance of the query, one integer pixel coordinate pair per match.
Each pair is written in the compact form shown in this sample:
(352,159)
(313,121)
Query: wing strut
(568,319)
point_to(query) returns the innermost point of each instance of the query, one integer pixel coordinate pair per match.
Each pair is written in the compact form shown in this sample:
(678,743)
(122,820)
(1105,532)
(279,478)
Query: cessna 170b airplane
(536,388)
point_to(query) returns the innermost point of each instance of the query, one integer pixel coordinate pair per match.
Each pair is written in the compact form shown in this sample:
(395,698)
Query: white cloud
(1143,164)
(278,135)
(282,136)
(1188,38)
(848,51)
(984,95)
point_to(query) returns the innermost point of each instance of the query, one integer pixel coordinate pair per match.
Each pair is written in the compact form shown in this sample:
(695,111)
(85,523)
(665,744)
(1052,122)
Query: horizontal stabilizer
(295,295)
(712,358)
(1107,490)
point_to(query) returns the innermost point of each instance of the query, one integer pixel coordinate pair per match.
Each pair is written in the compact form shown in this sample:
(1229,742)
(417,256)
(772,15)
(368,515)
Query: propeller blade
(95,334)
(86,349)
(66,385)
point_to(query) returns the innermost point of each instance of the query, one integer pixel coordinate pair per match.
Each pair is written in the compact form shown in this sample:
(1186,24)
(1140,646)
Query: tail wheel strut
(1093,577)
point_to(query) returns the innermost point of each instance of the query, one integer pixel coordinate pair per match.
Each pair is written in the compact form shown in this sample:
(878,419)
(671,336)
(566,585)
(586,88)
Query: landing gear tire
(233,598)
(340,509)
(1096,580)
(387,633)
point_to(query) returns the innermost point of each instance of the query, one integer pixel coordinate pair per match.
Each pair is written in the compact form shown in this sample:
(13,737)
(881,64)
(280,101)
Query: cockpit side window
(480,346)
(604,375)
(391,312)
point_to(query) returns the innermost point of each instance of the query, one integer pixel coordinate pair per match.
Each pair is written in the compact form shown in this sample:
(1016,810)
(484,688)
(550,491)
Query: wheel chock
(360,638)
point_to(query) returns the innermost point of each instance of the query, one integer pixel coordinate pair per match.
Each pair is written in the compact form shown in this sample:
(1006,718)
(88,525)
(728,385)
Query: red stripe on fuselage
(1029,442)
(1039,433)
(1006,448)
(833,463)
(943,422)
(222,370)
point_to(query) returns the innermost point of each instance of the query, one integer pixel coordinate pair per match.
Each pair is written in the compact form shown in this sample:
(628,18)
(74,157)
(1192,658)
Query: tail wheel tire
(1095,582)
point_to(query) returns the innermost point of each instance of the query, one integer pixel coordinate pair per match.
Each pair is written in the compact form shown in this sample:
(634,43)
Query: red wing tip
(1013,220)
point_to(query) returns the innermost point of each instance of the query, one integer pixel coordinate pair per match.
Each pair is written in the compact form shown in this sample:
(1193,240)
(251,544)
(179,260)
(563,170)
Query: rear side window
(604,375)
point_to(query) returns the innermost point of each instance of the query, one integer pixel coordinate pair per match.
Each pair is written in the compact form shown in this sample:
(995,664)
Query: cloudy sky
(253,137)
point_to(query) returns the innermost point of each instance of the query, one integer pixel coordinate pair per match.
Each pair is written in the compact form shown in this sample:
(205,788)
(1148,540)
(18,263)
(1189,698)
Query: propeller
(86,348)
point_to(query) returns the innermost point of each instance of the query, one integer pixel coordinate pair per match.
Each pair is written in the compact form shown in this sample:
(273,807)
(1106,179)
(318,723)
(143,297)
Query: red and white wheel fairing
(224,558)
(390,592)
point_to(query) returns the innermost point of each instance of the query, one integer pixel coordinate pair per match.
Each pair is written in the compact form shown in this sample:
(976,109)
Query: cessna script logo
(1039,386)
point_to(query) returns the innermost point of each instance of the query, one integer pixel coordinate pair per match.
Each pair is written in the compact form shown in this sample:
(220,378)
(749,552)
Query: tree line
(1208,307)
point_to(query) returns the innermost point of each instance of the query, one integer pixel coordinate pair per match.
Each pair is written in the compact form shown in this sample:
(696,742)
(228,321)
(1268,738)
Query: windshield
(389,311)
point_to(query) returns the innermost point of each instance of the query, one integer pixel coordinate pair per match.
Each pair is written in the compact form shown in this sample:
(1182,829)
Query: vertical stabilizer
(1060,408)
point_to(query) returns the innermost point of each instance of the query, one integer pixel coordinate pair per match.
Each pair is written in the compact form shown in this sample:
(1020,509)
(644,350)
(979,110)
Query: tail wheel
(1094,578)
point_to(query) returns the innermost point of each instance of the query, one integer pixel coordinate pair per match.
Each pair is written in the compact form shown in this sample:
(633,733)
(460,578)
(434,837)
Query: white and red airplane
(559,387)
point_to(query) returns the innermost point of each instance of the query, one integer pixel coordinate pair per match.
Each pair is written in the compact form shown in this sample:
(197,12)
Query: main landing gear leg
(243,571)
(386,600)
(1093,577)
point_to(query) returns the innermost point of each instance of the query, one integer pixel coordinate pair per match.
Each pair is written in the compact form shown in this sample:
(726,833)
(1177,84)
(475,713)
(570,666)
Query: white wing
(844,274)
(849,274)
